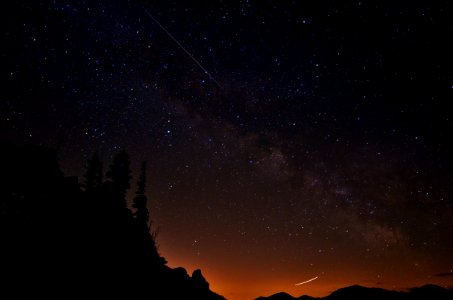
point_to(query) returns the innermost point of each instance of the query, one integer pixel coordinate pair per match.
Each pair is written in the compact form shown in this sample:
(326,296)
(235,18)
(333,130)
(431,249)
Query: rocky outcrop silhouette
(284,296)
(356,292)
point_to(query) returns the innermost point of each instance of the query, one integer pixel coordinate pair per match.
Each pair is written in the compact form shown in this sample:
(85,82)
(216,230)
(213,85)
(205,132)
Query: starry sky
(289,140)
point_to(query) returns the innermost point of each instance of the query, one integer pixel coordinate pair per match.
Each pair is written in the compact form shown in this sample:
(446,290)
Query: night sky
(313,141)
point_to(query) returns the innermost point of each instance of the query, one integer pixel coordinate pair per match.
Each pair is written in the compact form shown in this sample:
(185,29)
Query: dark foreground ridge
(356,292)
(60,239)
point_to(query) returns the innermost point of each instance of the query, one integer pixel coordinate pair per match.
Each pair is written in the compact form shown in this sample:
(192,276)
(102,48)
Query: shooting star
(304,282)
(183,48)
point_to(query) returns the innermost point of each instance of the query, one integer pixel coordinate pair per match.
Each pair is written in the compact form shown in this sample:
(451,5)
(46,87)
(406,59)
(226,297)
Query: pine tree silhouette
(145,238)
(120,173)
(93,175)
(140,201)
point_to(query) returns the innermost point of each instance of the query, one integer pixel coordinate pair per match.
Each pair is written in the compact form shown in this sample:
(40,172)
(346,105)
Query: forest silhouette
(61,238)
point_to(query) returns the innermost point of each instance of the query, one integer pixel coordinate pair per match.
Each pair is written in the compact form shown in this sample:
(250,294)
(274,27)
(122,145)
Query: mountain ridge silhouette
(357,292)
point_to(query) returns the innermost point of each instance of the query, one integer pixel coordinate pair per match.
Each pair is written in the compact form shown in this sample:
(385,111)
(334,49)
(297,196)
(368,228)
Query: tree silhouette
(140,201)
(145,238)
(93,175)
(120,173)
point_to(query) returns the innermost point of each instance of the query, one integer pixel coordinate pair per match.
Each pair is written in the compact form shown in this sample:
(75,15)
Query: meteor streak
(183,48)
(304,282)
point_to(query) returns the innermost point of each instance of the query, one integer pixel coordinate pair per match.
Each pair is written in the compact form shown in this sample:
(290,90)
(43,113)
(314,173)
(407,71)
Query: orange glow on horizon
(248,283)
